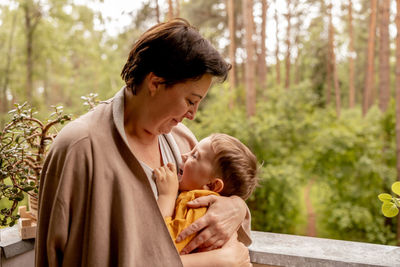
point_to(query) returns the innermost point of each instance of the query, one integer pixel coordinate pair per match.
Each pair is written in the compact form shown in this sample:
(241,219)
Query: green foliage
(295,140)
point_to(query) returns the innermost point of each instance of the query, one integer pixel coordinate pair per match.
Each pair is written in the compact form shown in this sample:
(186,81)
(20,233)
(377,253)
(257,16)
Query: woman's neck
(134,115)
(143,144)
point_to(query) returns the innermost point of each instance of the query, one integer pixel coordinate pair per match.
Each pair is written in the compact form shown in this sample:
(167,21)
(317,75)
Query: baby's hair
(237,165)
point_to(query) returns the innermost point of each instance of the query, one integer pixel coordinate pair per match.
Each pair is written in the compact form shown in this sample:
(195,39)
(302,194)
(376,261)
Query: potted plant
(23,145)
(24,142)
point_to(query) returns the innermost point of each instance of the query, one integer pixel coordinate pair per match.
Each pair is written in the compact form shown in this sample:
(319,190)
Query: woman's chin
(167,128)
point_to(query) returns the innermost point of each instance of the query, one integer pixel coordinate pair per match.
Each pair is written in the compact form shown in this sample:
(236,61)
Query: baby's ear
(216,185)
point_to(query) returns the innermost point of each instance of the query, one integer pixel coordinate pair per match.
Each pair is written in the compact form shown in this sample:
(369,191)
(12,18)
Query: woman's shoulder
(73,133)
(81,128)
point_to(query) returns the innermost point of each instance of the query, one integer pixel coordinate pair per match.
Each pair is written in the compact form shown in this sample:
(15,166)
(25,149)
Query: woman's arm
(222,220)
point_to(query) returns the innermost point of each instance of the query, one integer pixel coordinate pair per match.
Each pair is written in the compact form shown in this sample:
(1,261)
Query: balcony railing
(268,249)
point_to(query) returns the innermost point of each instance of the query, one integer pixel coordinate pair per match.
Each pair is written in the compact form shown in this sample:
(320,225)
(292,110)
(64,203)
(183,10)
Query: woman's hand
(237,253)
(232,254)
(223,218)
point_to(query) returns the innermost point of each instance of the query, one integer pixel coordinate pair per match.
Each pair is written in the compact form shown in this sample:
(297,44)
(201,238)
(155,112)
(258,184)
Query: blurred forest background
(312,92)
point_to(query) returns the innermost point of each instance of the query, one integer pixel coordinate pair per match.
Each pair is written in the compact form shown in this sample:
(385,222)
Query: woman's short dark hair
(174,51)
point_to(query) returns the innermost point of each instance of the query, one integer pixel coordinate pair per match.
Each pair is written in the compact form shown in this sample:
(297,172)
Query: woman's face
(197,167)
(169,106)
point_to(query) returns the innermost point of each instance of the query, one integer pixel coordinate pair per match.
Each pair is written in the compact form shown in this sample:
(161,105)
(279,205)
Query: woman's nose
(189,115)
(192,112)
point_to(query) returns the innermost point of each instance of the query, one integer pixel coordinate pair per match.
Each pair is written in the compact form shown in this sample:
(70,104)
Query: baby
(219,164)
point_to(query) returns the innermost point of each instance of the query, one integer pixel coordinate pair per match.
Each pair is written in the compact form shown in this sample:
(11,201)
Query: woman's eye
(190,103)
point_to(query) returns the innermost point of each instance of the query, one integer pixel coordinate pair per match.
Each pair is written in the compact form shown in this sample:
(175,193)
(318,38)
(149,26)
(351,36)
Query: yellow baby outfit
(184,216)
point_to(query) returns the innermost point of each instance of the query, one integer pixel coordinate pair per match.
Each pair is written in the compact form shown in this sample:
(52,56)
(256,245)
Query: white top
(167,156)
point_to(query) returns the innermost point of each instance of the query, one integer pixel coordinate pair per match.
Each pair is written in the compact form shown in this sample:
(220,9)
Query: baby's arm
(167,185)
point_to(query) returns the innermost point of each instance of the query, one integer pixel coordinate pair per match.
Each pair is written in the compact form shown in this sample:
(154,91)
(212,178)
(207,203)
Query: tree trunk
(29,63)
(232,48)
(262,63)
(332,61)
(4,106)
(329,66)
(170,10)
(249,71)
(177,8)
(336,84)
(157,11)
(288,45)
(278,65)
(384,53)
(297,60)
(398,105)
(369,79)
(352,90)
(32,17)
(46,91)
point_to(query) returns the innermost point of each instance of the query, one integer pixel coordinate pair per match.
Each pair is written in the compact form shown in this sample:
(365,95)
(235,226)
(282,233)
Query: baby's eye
(194,155)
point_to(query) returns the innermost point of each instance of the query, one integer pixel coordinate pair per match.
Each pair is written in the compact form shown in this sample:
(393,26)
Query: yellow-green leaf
(385,197)
(396,188)
(389,209)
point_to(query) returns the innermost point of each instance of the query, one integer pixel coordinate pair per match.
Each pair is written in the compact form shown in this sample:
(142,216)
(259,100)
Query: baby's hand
(167,180)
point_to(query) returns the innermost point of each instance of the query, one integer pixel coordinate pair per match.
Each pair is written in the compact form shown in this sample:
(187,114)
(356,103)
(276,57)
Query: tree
(297,44)
(170,10)
(157,11)
(232,45)
(177,8)
(278,65)
(398,104)
(332,62)
(32,15)
(4,107)
(352,91)
(288,44)
(369,73)
(249,72)
(384,53)
(262,64)
(329,59)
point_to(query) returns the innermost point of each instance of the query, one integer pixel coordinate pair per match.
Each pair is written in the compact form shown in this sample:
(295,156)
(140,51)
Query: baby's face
(198,167)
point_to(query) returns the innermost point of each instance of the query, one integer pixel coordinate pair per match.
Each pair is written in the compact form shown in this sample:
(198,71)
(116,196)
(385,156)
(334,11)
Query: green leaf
(389,209)
(385,197)
(396,188)
(396,201)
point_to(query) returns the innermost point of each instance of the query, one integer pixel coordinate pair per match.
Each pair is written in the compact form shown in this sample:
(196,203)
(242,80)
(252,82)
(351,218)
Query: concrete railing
(268,249)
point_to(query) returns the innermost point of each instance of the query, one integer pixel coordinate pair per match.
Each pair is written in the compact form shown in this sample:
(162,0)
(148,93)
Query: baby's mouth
(180,173)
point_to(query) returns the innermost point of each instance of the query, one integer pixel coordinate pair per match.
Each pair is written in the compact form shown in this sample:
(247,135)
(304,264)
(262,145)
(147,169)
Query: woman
(97,196)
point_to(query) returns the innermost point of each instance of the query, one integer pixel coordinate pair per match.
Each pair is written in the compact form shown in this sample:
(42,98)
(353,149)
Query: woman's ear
(154,83)
(215,185)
